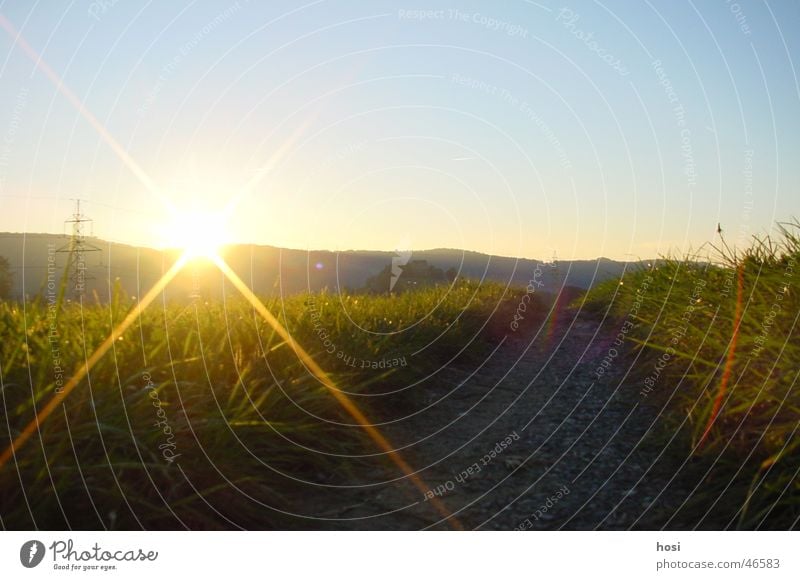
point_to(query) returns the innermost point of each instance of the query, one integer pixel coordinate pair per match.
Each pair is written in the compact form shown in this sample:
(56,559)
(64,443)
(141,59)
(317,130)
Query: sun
(199,234)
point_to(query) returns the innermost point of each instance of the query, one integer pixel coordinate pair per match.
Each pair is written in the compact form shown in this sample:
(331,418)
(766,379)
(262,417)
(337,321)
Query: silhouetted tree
(414,275)
(5,278)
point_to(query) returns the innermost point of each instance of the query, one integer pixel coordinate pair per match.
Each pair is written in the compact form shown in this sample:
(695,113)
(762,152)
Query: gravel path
(530,440)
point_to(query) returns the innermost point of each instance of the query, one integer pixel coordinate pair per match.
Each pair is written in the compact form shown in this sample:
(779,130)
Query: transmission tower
(77,247)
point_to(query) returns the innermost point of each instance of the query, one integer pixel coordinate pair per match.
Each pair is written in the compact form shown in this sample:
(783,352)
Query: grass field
(717,346)
(200,416)
(201,405)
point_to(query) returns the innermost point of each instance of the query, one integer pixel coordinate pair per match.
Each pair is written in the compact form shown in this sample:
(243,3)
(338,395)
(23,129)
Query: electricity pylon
(76,269)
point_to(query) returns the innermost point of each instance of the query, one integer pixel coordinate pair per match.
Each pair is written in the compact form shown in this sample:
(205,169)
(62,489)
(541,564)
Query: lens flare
(200,234)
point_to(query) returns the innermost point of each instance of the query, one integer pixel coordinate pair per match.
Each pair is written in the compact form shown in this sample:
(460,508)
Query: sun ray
(206,252)
(349,406)
(352,409)
(101,350)
(276,157)
(54,78)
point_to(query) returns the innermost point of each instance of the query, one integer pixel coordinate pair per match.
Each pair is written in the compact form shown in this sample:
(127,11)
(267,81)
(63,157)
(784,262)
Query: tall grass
(200,417)
(718,345)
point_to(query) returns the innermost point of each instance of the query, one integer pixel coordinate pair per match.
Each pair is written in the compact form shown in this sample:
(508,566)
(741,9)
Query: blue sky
(513,128)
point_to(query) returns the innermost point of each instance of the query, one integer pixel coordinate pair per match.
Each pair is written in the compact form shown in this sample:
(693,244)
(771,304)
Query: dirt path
(530,440)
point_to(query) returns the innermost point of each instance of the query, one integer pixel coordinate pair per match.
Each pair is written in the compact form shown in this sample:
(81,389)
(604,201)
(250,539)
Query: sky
(616,129)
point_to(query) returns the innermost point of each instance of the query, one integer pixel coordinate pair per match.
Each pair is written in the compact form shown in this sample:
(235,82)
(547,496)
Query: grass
(200,417)
(718,347)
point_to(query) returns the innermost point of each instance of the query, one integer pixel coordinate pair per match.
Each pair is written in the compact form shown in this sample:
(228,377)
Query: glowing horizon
(383,125)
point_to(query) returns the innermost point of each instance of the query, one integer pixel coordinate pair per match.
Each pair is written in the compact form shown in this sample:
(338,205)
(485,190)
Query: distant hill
(270,270)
